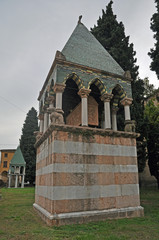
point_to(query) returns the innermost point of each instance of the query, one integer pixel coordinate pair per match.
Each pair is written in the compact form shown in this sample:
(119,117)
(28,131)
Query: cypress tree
(111,34)
(152,118)
(27,142)
(154,52)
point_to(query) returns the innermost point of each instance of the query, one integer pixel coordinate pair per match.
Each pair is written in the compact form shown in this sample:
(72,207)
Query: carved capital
(106,97)
(84,93)
(41,116)
(115,109)
(59,87)
(126,101)
(51,99)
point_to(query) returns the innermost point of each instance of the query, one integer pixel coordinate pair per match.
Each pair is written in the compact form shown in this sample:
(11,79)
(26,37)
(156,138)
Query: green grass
(19,221)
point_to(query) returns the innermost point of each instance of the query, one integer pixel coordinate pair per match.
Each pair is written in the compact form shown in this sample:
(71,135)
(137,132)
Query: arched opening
(118,95)
(21,170)
(4,173)
(70,98)
(96,94)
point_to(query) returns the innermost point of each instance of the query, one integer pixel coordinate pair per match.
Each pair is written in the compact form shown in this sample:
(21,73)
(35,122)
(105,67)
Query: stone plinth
(86,174)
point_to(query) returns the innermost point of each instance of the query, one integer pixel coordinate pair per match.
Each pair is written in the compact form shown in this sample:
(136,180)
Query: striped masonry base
(79,179)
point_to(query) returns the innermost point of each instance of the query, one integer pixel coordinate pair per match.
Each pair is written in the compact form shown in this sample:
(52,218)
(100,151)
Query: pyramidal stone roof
(18,158)
(84,49)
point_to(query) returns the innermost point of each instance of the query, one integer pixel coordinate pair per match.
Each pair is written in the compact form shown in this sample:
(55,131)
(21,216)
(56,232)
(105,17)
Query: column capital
(115,109)
(41,116)
(59,87)
(126,101)
(106,97)
(51,99)
(84,93)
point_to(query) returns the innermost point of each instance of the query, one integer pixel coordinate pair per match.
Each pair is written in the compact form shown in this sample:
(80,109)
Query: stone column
(23,176)
(45,120)
(41,118)
(114,118)
(51,100)
(126,102)
(16,180)
(84,93)
(9,180)
(106,97)
(59,89)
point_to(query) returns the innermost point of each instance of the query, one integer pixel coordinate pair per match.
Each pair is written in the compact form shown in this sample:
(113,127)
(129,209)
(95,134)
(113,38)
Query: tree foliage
(152,118)
(111,34)
(27,142)
(154,52)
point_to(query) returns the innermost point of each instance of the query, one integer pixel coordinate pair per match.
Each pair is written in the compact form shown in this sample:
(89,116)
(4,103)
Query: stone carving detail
(38,135)
(126,101)
(84,93)
(130,126)
(59,88)
(106,97)
(127,74)
(56,115)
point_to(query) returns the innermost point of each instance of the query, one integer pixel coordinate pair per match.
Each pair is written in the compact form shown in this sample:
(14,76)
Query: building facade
(86,170)
(6,156)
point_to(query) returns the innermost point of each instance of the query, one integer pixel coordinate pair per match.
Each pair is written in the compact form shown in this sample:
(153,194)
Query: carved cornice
(84,93)
(61,61)
(82,130)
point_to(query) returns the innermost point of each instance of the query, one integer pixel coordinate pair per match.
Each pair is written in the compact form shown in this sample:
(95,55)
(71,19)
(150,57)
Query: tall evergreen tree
(152,118)
(111,34)
(27,142)
(154,52)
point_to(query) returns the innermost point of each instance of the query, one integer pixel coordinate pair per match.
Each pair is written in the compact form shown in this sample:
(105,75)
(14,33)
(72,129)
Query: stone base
(87,216)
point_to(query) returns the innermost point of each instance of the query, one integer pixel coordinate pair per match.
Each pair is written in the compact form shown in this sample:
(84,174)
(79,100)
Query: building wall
(6,156)
(85,171)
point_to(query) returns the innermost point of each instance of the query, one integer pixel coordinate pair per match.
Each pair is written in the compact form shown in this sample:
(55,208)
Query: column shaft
(114,121)
(127,112)
(106,99)
(84,112)
(9,182)
(59,100)
(16,181)
(107,115)
(45,121)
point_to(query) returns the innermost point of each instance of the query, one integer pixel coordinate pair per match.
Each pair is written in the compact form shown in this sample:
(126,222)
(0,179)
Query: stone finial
(127,74)
(79,20)
(59,55)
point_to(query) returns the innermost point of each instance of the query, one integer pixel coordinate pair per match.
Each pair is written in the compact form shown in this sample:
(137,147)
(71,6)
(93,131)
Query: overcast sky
(31,31)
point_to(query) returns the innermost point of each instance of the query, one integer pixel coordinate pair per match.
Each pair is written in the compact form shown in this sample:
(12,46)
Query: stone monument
(86,170)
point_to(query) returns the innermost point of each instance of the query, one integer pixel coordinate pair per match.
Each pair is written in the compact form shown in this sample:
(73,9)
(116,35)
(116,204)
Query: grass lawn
(19,221)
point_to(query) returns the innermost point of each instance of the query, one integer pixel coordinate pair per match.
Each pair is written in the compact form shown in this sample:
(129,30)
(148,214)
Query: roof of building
(18,158)
(7,150)
(84,49)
